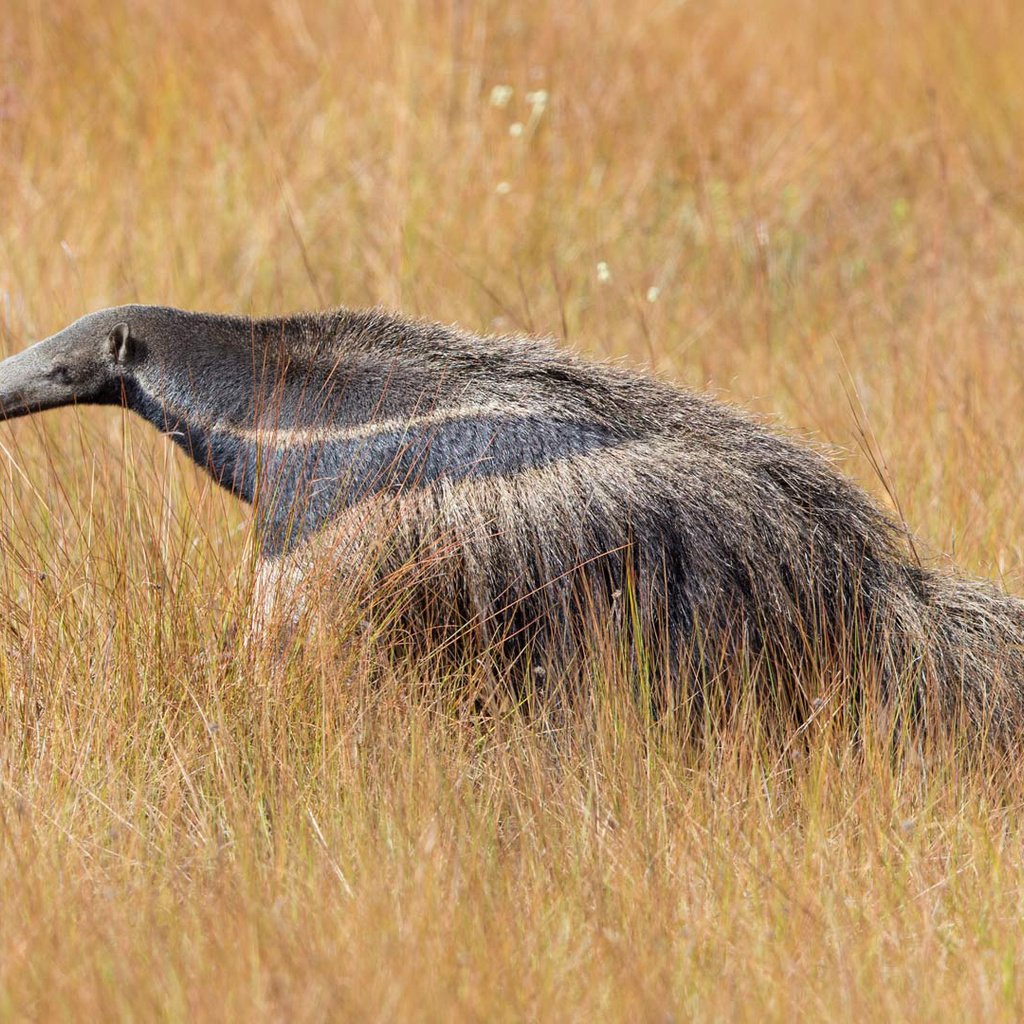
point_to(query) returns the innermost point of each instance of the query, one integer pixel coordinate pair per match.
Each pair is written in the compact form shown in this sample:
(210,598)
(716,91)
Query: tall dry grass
(813,208)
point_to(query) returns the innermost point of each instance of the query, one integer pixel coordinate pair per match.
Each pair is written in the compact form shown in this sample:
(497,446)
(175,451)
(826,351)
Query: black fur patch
(302,486)
(299,487)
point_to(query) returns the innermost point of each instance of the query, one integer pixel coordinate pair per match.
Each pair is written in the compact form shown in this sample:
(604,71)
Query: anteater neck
(228,456)
(305,418)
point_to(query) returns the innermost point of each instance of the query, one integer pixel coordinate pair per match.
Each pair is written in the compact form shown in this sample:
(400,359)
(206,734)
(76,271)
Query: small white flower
(500,96)
(538,100)
(503,188)
(515,129)
(604,274)
(653,292)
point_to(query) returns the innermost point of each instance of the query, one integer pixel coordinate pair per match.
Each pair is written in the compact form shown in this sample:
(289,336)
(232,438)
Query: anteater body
(508,495)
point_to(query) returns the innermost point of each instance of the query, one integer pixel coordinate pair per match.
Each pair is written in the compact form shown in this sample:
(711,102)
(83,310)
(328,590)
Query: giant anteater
(525,500)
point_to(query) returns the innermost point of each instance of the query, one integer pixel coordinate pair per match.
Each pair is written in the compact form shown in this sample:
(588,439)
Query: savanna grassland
(815,209)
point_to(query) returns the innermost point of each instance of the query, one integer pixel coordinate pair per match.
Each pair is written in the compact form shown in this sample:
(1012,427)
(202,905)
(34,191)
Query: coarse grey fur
(538,495)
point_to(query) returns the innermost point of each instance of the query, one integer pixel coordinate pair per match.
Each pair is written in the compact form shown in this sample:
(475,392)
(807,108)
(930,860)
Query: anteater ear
(120,343)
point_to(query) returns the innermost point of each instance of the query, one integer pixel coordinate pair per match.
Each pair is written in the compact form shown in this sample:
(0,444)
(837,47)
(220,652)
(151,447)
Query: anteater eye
(59,374)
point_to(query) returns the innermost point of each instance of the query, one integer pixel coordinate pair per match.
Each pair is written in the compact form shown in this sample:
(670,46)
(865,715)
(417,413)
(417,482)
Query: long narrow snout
(65,369)
(31,381)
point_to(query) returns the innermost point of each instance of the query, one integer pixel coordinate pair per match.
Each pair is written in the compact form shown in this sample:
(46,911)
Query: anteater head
(134,355)
(84,363)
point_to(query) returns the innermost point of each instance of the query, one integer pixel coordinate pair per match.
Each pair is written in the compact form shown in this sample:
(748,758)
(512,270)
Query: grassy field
(814,208)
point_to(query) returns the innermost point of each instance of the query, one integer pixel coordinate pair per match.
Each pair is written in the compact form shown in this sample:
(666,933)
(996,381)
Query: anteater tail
(975,650)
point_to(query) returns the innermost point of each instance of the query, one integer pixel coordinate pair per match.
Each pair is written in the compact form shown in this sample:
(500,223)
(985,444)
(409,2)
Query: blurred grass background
(813,209)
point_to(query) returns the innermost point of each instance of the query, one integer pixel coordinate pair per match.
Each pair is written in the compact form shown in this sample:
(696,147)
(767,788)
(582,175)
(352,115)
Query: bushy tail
(976,649)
